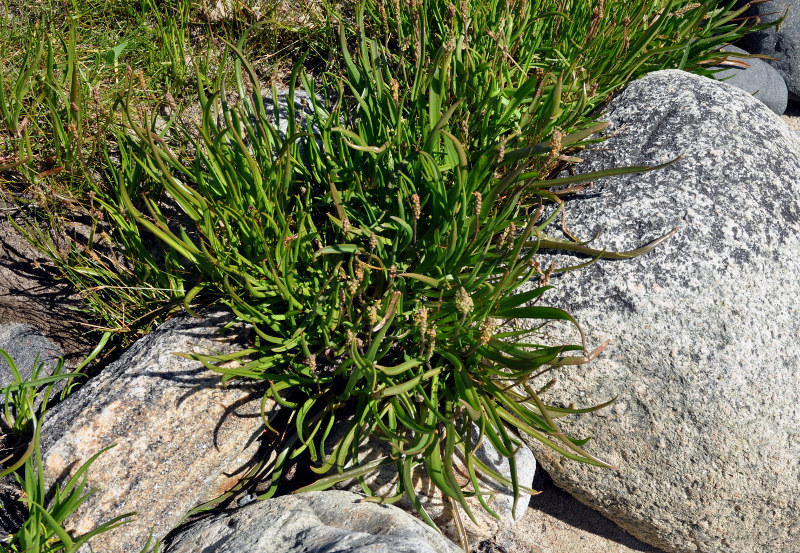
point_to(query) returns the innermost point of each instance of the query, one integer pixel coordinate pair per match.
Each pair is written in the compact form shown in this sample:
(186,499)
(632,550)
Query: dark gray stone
(704,354)
(782,44)
(759,79)
(13,512)
(313,522)
(24,344)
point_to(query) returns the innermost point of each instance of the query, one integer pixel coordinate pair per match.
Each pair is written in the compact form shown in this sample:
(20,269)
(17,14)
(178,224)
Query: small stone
(312,522)
(782,44)
(759,79)
(27,347)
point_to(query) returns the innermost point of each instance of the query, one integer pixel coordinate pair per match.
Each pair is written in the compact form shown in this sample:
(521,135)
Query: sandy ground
(556,522)
(792,115)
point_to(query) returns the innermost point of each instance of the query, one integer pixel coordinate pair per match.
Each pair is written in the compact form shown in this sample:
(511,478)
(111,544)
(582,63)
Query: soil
(31,292)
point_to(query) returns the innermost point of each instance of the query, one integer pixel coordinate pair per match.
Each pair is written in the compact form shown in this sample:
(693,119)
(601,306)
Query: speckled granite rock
(704,354)
(757,78)
(26,345)
(181,438)
(384,483)
(313,522)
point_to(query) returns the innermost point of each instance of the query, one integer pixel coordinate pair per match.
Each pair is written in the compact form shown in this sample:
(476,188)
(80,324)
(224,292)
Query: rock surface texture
(181,438)
(383,482)
(759,79)
(13,512)
(27,347)
(312,522)
(704,355)
(782,44)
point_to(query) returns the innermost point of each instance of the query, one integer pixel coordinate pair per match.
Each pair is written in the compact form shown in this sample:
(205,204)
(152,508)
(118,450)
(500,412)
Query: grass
(379,244)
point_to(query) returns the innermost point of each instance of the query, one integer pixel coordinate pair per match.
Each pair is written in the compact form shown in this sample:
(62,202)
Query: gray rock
(782,44)
(312,522)
(759,79)
(27,347)
(181,437)
(13,512)
(303,109)
(704,355)
(383,482)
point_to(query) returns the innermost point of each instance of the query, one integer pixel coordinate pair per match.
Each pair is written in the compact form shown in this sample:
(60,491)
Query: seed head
(421,318)
(311,361)
(140,76)
(464,303)
(431,343)
(384,18)
(487,330)
(415,206)
(372,314)
(346,226)
(512,233)
(395,86)
(373,242)
(478,203)
(555,143)
(686,8)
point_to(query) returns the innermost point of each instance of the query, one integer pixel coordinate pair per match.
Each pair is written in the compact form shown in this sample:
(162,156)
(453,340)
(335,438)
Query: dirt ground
(556,522)
(31,292)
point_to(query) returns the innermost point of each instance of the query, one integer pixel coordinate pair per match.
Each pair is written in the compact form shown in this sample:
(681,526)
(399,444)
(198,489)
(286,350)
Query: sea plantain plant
(382,242)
